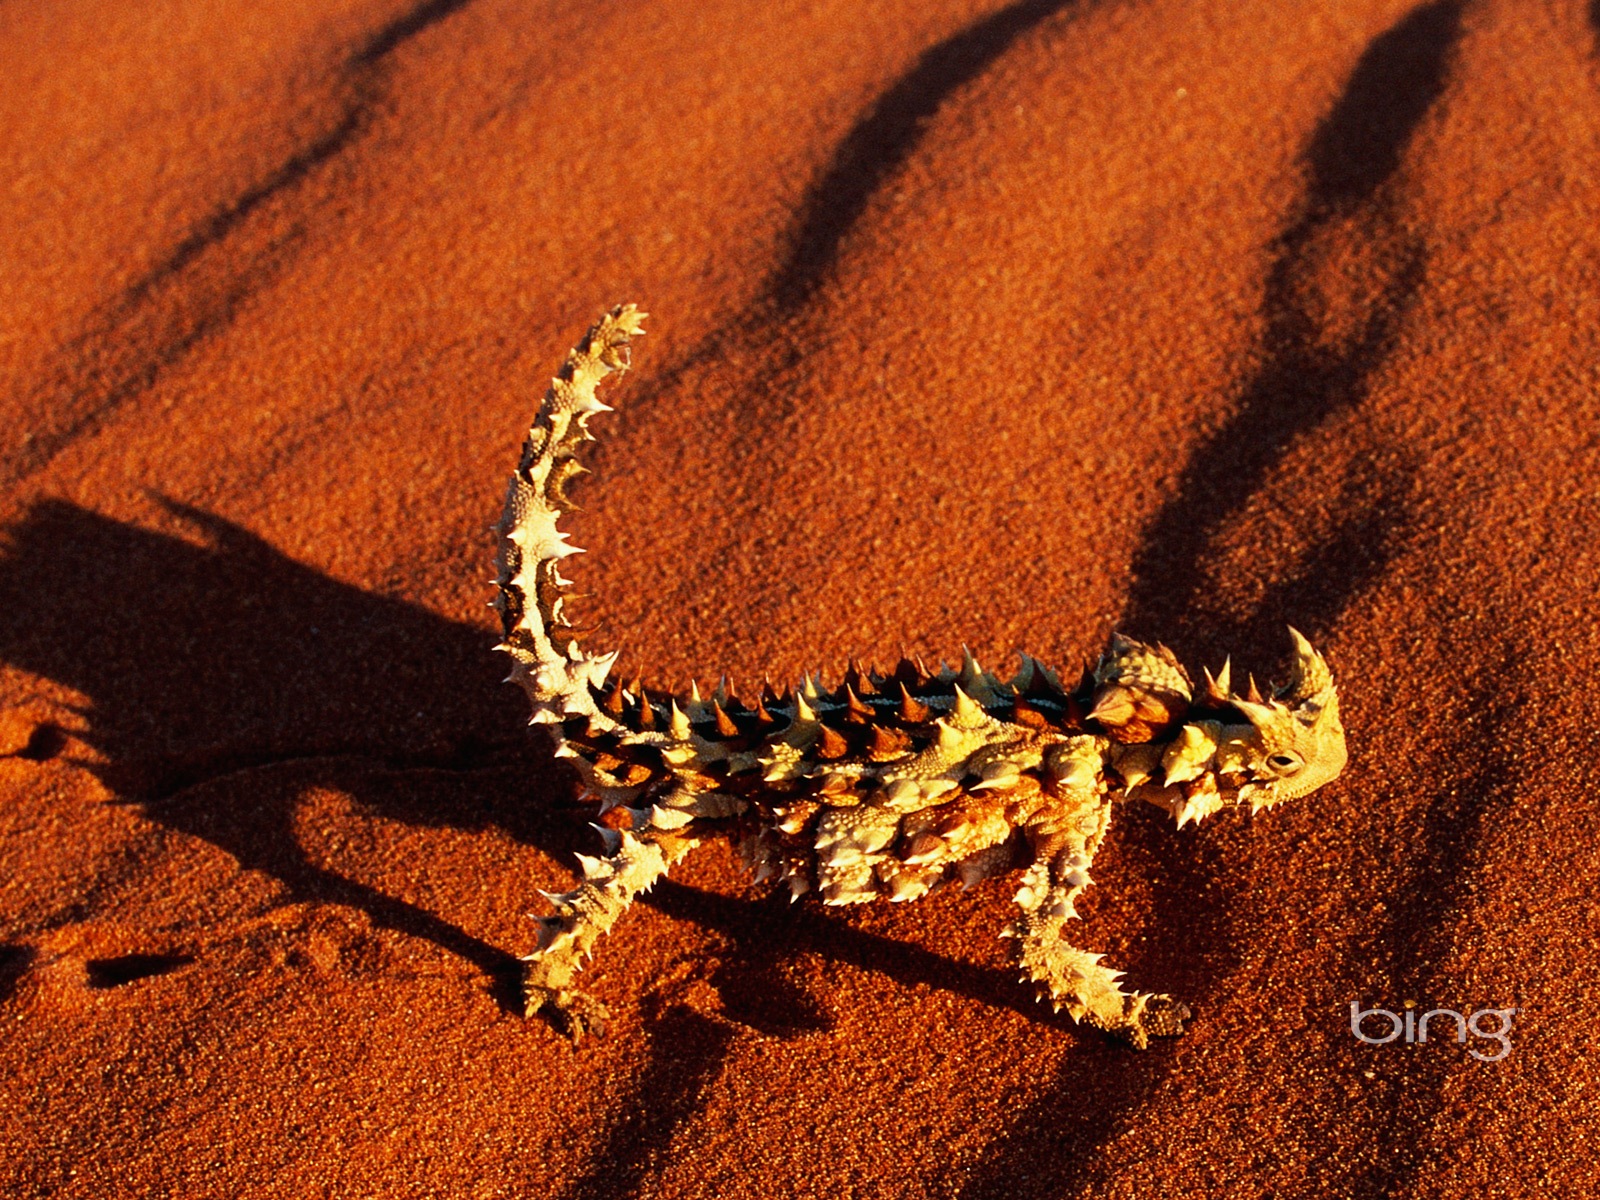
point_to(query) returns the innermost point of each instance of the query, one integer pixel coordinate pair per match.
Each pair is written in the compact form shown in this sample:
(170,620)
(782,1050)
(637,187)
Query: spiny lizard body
(888,785)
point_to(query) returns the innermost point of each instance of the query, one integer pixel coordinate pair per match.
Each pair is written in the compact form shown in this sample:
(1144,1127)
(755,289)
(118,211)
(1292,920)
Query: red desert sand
(972,323)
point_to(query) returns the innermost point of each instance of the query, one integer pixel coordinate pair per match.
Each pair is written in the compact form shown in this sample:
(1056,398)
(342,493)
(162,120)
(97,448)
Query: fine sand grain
(1004,325)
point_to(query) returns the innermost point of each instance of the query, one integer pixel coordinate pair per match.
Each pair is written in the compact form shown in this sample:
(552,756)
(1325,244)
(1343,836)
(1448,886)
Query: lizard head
(1294,743)
(1247,749)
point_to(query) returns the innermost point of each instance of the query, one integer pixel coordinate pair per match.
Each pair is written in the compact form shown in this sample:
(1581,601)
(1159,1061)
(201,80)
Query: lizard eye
(1285,763)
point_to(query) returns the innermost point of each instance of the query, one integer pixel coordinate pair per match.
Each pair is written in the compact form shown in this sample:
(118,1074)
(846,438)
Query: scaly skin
(890,784)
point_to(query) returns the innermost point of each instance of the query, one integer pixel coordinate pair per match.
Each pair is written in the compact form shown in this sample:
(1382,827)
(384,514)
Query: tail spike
(609,838)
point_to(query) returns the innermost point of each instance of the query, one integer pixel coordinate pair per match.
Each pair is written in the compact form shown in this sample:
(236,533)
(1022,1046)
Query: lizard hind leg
(1074,979)
(567,937)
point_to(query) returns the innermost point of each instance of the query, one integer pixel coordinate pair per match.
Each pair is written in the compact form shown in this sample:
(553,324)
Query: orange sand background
(973,323)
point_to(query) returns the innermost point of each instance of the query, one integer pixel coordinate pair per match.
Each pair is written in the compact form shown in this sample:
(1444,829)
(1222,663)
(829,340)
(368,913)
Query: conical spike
(725,726)
(1262,716)
(612,702)
(647,712)
(856,709)
(859,679)
(762,715)
(886,744)
(912,711)
(1219,687)
(832,744)
(1309,675)
(1113,706)
(1045,684)
(677,721)
(965,710)
(971,673)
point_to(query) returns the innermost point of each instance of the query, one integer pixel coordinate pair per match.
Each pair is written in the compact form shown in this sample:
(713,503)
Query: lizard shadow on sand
(212,662)
(209,661)
(1306,380)
(223,680)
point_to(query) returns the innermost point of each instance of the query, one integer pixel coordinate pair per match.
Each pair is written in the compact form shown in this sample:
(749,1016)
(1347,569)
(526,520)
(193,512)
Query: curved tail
(545,658)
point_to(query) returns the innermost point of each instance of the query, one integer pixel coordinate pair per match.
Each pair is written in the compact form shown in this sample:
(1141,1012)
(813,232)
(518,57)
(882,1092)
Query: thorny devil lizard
(888,785)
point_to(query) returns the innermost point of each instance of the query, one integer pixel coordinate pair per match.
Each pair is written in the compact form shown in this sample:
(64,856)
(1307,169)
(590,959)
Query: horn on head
(1309,675)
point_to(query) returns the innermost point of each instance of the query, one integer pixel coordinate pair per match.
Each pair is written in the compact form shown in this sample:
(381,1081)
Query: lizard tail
(545,659)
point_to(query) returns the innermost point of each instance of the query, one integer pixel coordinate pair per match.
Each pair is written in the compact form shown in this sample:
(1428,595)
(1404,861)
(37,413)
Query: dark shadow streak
(682,1055)
(1099,1089)
(1355,150)
(801,927)
(14,963)
(1304,383)
(192,294)
(405,27)
(867,159)
(107,973)
(685,1048)
(881,142)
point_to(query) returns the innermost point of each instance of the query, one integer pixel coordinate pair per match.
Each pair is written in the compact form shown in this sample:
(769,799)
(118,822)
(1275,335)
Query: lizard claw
(568,1011)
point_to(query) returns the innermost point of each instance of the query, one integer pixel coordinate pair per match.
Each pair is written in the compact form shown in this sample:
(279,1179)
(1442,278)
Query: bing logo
(1415,1028)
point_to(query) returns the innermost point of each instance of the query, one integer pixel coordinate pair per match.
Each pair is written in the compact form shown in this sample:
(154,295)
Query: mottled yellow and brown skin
(889,784)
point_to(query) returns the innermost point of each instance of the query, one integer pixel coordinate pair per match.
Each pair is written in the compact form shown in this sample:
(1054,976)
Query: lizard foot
(1148,1016)
(567,1010)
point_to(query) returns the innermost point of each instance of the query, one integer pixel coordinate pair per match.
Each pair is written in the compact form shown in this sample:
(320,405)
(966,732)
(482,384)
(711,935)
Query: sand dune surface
(985,324)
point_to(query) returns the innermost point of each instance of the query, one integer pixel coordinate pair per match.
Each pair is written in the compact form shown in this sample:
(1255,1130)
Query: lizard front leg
(1064,842)
(610,885)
